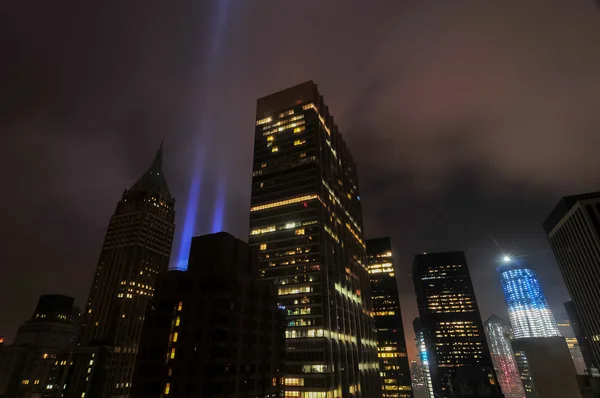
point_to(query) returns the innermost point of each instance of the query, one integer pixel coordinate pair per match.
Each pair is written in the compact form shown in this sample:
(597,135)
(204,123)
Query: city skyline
(73,179)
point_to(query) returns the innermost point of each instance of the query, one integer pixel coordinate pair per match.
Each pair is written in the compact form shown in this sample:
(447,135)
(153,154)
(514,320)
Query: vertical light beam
(190,217)
(216,33)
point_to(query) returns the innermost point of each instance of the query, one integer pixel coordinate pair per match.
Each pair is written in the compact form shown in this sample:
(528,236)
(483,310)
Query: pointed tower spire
(157,163)
(153,180)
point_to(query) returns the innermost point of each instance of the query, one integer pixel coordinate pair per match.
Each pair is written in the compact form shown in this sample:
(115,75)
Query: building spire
(153,180)
(157,163)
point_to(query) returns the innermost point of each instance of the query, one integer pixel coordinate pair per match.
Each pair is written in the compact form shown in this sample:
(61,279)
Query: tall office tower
(218,326)
(306,221)
(391,345)
(26,365)
(499,335)
(136,248)
(566,331)
(416,373)
(529,313)
(573,228)
(423,357)
(451,323)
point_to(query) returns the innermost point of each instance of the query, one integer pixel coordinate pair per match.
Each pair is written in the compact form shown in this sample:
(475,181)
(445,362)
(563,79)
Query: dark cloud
(468,120)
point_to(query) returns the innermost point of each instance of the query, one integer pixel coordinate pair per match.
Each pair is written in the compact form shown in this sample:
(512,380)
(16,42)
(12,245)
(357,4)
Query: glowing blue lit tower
(528,308)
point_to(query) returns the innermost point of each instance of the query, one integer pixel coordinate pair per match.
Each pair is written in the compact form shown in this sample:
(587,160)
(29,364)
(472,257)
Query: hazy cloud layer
(468,121)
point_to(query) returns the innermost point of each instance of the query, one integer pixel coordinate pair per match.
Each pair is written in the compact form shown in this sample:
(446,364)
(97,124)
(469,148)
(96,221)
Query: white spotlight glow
(507,259)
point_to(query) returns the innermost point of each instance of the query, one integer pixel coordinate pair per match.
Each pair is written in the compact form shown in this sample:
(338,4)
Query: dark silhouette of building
(26,365)
(566,330)
(451,323)
(584,345)
(214,330)
(573,228)
(391,344)
(136,249)
(549,365)
(306,222)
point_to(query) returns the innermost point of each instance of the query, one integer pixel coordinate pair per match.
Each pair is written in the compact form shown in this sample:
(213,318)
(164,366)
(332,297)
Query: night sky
(468,121)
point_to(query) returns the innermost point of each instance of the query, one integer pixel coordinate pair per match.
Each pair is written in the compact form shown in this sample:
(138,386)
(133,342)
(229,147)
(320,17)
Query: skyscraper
(499,335)
(136,248)
(450,321)
(573,228)
(566,331)
(26,365)
(416,373)
(528,309)
(214,330)
(306,221)
(423,357)
(535,331)
(391,345)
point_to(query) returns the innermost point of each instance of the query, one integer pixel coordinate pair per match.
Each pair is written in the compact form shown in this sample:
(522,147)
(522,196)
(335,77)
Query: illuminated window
(263,246)
(275,149)
(314,368)
(175,336)
(177,321)
(298,129)
(167,388)
(294,381)
(172,353)
(25,382)
(180,306)
(263,230)
(263,121)
(299,142)
(270,138)
(295,289)
(300,231)
(37,381)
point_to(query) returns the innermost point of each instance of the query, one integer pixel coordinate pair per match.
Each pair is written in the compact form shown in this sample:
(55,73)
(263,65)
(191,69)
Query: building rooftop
(563,207)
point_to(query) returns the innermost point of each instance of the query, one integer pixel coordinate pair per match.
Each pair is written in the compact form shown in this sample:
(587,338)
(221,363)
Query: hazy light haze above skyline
(468,121)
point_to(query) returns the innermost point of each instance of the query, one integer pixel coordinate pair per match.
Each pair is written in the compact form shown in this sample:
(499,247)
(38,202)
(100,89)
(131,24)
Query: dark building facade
(573,228)
(214,330)
(26,365)
(391,344)
(451,323)
(136,248)
(566,330)
(546,367)
(306,222)
(584,345)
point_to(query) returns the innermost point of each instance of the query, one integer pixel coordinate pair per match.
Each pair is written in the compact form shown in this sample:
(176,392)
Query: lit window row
(314,368)
(293,381)
(282,291)
(284,202)
(283,128)
(263,121)
(384,313)
(304,333)
(281,122)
